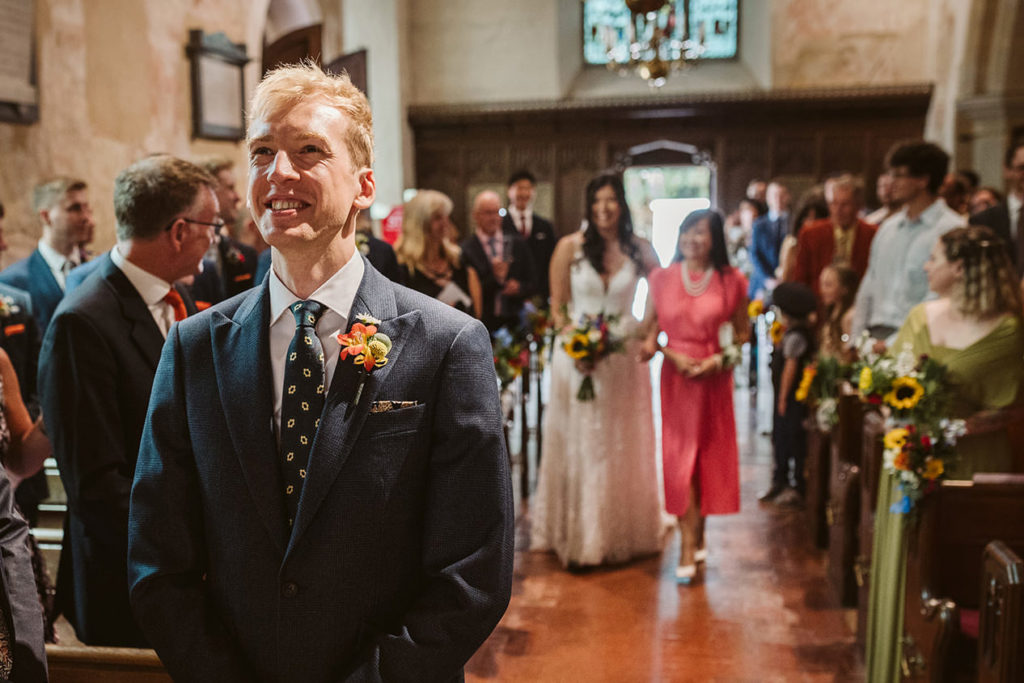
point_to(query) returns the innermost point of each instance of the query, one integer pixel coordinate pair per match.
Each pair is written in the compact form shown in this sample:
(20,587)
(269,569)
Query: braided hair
(989,284)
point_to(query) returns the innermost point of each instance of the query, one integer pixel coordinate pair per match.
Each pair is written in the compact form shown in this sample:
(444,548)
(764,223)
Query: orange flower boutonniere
(367,347)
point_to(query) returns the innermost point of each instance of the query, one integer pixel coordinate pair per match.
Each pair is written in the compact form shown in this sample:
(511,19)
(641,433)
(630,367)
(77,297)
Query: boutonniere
(363,243)
(367,347)
(8,307)
(234,255)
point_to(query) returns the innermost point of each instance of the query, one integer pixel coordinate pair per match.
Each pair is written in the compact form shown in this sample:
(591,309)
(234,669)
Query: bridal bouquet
(590,341)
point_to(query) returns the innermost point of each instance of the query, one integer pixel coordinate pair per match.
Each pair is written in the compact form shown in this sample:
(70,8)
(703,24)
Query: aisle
(761,614)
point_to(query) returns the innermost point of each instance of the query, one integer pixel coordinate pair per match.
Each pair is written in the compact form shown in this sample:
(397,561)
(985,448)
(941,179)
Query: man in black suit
(234,261)
(96,369)
(309,507)
(538,232)
(1006,218)
(64,211)
(501,260)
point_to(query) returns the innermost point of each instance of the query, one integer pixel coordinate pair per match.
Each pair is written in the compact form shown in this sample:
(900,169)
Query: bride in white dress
(597,499)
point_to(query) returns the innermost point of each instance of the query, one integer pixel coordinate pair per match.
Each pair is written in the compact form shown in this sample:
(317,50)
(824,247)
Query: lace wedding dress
(597,498)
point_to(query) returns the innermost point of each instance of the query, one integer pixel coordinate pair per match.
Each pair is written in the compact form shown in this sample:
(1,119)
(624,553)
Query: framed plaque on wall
(218,86)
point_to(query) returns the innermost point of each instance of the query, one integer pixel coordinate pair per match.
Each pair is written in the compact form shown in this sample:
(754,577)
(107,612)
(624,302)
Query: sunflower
(905,393)
(578,346)
(933,469)
(895,438)
(805,383)
(755,308)
(776,332)
(865,381)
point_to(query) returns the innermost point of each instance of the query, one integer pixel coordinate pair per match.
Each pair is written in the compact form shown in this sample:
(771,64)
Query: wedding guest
(894,282)
(766,238)
(984,198)
(837,286)
(691,300)
(234,261)
(434,263)
(537,231)
(888,204)
(502,261)
(811,207)
(597,494)
(1007,217)
(796,304)
(975,330)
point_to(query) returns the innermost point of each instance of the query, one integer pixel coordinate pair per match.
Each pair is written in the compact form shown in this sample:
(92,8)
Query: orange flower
(366,346)
(933,469)
(901,461)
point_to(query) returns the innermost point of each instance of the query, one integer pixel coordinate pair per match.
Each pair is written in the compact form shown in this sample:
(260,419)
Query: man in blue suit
(767,234)
(322,491)
(63,208)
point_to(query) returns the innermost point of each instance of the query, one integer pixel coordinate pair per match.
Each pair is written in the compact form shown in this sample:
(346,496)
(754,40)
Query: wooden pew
(819,470)
(843,512)
(944,572)
(871,467)
(1001,618)
(108,664)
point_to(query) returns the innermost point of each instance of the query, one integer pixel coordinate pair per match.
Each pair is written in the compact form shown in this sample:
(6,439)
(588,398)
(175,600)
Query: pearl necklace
(700,286)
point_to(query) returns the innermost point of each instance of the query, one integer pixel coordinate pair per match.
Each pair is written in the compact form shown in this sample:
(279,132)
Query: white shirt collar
(1013,203)
(337,293)
(55,261)
(151,288)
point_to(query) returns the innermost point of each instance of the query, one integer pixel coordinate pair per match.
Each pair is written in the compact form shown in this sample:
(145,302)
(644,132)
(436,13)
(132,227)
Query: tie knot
(177,304)
(307,313)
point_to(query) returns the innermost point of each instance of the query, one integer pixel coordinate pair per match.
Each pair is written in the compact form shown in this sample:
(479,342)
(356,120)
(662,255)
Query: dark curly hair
(593,243)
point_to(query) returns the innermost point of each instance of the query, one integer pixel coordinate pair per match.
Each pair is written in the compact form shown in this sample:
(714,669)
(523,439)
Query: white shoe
(685,573)
(700,555)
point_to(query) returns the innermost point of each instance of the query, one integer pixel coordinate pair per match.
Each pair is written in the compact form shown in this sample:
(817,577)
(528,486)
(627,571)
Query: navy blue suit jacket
(399,564)
(541,242)
(765,243)
(34,276)
(96,369)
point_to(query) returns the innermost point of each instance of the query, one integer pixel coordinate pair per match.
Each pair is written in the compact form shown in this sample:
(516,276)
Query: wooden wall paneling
(843,152)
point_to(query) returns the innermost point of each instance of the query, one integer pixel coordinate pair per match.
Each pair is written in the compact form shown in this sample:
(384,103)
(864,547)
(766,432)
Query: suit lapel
(143,329)
(241,360)
(41,274)
(341,421)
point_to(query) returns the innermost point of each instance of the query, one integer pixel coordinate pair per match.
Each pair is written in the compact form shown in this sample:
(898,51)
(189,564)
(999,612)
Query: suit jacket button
(290,589)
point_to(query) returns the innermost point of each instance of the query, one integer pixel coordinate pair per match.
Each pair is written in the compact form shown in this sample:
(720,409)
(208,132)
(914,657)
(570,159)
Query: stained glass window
(606,26)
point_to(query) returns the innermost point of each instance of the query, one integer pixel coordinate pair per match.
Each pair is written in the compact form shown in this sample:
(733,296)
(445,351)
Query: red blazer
(816,246)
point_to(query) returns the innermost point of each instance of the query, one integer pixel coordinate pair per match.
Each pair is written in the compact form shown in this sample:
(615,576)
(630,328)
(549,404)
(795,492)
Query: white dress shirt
(337,294)
(519,216)
(1013,203)
(151,288)
(59,263)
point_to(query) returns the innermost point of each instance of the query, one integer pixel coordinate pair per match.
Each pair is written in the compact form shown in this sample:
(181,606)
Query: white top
(519,216)
(151,288)
(337,294)
(59,263)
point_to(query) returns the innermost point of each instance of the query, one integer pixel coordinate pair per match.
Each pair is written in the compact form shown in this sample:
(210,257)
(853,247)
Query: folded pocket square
(387,406)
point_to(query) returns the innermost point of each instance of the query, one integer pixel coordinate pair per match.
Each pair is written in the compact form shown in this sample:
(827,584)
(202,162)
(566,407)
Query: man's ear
(44,216)
(367,190)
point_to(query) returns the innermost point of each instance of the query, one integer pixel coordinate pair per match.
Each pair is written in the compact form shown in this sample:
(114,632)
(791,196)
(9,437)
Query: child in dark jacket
(796,305)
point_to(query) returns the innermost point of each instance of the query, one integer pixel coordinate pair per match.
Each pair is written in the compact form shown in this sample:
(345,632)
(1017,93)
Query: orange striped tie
(177,304)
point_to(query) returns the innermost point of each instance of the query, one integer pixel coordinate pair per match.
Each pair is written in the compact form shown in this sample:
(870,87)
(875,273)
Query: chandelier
(652,45)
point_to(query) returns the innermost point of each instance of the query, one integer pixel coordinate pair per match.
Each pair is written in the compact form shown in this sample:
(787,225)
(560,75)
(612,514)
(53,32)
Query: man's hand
(512,288)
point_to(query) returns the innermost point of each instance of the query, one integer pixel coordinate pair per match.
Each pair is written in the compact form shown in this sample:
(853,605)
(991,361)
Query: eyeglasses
(217,225)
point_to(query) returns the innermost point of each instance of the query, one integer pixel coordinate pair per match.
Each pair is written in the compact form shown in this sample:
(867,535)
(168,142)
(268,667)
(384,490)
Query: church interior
(466,93)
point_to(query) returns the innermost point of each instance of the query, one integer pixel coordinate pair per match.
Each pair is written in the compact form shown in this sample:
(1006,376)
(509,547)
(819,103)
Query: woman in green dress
(974,329)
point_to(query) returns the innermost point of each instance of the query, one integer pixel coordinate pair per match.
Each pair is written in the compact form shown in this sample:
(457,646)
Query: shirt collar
(337,293)
(929,216)
(150,287)
(54,259)
(1013,203)
(518,215)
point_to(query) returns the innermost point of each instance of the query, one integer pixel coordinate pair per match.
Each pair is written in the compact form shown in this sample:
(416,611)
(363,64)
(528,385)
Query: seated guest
(503,262)
(1005,217)
(895,282)
(433,263)
(22,652)
(63,208)
(841,239)
(975,330)
(97,364)
(538,232)
(234,261)
(811,207)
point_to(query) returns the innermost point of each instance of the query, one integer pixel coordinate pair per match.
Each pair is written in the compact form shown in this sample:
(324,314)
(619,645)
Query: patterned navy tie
(302,400)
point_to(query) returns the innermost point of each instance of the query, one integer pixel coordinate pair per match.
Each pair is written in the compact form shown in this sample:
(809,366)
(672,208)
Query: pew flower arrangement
(755,308)
(511,355)
(819,389)
(919,459)
(590,340)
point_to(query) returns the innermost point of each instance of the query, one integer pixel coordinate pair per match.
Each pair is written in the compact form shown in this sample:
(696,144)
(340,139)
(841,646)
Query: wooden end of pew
(1001,619)
(108,664)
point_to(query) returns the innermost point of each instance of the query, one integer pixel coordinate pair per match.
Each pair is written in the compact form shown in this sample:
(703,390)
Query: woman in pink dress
(692,299)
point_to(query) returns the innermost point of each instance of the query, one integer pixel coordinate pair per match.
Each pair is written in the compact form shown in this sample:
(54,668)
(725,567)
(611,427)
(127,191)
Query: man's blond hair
(288,85)
(49,193)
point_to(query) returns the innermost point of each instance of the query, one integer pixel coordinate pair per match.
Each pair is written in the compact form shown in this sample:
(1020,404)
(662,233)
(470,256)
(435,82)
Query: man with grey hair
(62,205)
(97,364)
(322,491)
